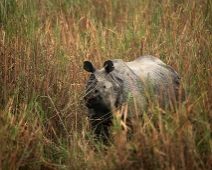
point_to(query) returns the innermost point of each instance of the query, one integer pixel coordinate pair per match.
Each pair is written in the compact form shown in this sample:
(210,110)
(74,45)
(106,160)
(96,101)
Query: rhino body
(120,82)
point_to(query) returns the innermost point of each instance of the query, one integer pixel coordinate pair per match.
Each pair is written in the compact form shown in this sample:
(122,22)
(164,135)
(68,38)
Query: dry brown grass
(42,115)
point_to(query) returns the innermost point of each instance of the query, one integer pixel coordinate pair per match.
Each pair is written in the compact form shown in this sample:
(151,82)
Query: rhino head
(102,90)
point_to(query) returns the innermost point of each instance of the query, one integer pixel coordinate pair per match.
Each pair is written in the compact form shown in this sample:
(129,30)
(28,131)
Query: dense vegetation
(43,45)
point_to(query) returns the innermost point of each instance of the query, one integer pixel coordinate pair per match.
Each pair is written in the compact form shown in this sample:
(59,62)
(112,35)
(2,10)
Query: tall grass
(43,44)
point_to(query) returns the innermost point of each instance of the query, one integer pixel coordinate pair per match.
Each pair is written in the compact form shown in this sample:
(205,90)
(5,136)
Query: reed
(43,44)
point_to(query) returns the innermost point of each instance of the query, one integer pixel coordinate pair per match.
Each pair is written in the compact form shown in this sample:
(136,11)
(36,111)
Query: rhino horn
(88,66)
(108,65)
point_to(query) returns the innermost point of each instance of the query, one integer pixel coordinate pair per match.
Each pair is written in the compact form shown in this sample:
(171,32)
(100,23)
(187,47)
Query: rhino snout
(91,95)
(87,98)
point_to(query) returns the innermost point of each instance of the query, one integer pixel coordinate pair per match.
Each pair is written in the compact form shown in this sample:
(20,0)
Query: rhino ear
(108,65)
(88,66)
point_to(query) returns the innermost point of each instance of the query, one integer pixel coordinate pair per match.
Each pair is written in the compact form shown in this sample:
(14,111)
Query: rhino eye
(104,87)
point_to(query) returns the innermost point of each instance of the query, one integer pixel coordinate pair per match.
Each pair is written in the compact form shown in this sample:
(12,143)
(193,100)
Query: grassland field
(43,44)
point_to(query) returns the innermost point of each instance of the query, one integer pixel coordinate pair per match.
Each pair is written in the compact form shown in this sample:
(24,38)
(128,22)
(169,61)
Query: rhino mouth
(94,102)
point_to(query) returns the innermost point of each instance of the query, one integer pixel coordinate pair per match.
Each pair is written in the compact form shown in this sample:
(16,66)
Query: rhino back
(150,66)
(150,71)
(144,65)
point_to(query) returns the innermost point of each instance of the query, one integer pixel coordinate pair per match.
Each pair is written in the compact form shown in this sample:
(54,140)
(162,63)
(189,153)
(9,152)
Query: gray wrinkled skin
(120,82)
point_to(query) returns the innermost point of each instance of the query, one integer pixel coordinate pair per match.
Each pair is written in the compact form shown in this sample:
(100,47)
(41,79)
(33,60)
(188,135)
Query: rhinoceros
(119,82)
